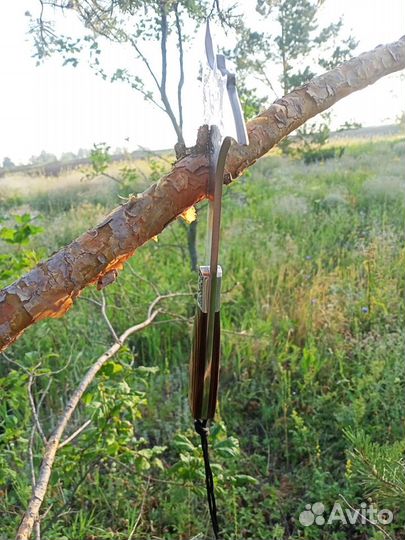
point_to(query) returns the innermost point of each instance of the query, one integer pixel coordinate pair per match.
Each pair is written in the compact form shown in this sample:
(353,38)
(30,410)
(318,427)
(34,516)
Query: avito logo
(315,514)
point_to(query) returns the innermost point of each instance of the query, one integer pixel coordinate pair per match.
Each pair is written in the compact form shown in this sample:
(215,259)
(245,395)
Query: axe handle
(204,375)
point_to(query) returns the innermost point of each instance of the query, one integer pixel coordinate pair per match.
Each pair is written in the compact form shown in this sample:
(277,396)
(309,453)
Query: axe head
(220,88)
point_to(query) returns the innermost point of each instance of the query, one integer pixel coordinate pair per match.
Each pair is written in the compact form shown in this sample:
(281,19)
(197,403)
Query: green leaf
(7,235)
(147,369)
(243,479)
(112,368)
(183,444)
(228,448)
(157,462)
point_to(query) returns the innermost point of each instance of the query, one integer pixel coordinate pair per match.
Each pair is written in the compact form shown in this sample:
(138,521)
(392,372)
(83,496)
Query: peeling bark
(50,289)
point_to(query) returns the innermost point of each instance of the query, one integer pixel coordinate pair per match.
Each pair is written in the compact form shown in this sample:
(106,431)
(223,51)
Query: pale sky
(60,109)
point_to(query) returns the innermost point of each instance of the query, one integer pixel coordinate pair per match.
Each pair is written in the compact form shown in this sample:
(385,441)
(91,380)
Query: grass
(53,195)
(313,345)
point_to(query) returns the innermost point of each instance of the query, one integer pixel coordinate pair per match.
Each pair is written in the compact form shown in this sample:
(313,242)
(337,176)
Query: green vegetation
(311,143)
(312,382)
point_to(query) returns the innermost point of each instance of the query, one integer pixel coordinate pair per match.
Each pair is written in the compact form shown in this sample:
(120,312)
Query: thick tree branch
(50,288)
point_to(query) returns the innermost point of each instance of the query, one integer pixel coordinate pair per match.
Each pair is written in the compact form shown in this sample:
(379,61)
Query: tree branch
(181,66)
(163,93)
(106,319)
(138,519)
(37,523)
(34,410)
(74,434)
(54,442)
(50,289)
(144,60)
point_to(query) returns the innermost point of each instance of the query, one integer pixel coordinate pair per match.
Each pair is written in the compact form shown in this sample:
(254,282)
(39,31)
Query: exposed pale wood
(50,289)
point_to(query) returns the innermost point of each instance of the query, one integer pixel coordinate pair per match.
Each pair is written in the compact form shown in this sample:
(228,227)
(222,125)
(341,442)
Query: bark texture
(95,257)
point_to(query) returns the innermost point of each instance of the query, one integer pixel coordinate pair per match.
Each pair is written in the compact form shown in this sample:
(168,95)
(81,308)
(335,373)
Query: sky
(61,109)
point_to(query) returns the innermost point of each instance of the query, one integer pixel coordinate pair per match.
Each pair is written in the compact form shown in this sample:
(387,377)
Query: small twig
(131,534)
(177,241)
(267,80)
(91,300)
(107,175)
(241,334)
(103,305)
(165,321)
(33,407)
(142,278)
(74,434)
(41,23)
(106,319)
(368,520)
(176,316)
(57,371)
(43,395)
(14,362)
(47,374)
(145,61)
(162,297)
(154,153)
(46,512)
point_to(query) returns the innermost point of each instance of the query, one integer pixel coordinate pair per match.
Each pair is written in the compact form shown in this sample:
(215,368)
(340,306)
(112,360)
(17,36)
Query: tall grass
(313,344)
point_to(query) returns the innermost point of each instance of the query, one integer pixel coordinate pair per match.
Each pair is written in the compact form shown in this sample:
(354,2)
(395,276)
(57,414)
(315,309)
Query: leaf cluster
(16,237)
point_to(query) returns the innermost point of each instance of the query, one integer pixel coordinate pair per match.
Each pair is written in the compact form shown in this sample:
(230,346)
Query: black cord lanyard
(202,429)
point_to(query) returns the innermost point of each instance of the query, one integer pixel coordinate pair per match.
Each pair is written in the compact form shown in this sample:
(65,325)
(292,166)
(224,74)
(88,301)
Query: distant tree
(67,156)
(83,153)
(7,163)
(401,121)
(44,157)
(300,36)
(347,126)
(298,51)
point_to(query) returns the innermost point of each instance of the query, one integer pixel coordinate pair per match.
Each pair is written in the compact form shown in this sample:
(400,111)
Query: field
(312,397)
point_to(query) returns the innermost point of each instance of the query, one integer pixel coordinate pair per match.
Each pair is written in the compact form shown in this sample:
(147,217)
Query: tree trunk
(50,288)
